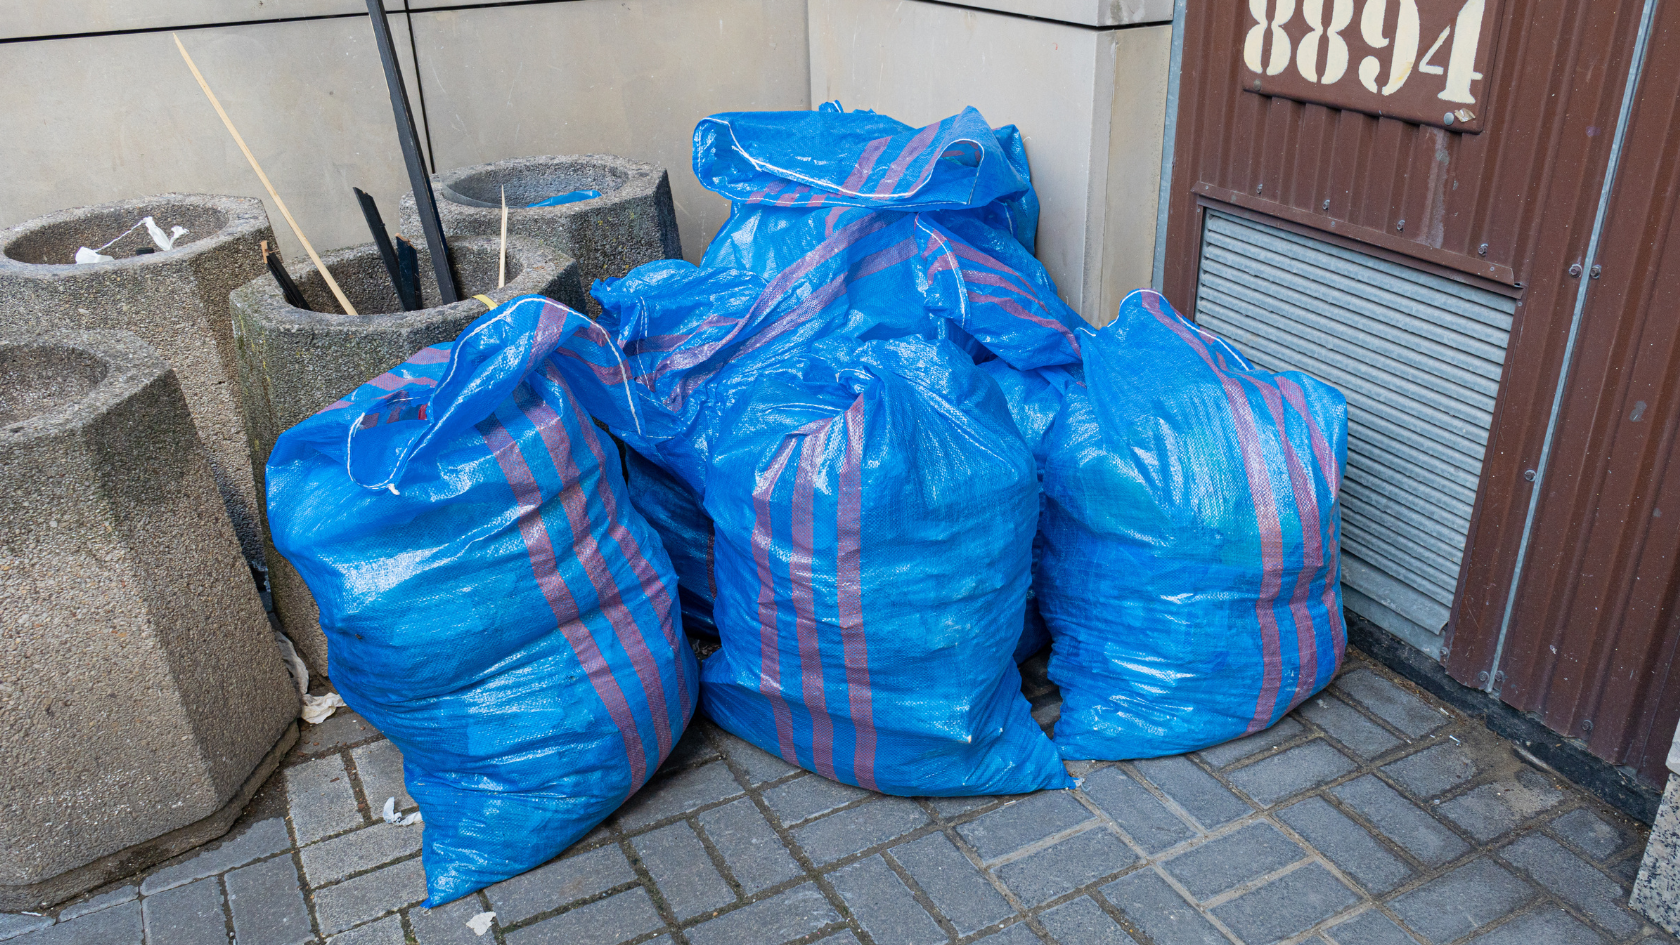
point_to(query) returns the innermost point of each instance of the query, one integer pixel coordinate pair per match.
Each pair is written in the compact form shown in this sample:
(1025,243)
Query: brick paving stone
(781,918)
(1490,810)
(560,883)
(1391,703)
(1401,821)
(844,937)
(678,795)
(617,918)
(1369,928)
(1474,895)
(387,931)
(264,838)
(691,749)
(1144,818)
(267,904)
(1239,748)
(118,925)
(186,915)
(1066,866)
(1345,724)
(380,768)
(321,800)
(1573,880)
(1284,775)
(369,896)
(752,852)
(1546,926)
(1346,844)
(1590,832)
(101,901)
(682,870)
(14,924)
(760,766)
(1083,922)
(957,888)
(1157,910)
(1286,906)
(344,728)
(1018,934)
(810,796)
(1234,859)
(1193,789)
(1024,822)
(1435,770)
(447,924)
(858,828)
(883,905)
(331,860)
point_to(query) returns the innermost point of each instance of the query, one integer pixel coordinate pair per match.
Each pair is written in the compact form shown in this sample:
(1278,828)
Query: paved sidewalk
(1371,816)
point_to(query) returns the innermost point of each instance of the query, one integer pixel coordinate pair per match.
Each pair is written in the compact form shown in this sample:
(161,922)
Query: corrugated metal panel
(1419,358)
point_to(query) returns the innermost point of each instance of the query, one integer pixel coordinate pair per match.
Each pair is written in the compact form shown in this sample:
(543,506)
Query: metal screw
(1530,475)
(1481,250)
(1259,187)
(1586,725)
(1447,119)
(1326,205)
(1575,270)
(1481,677)
(1499,678)
(1596,271)
(1401,225)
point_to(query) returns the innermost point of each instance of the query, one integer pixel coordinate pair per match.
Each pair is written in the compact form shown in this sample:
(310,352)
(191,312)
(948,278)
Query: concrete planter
(631,223)
(293,362)
(143,698)
(175,301)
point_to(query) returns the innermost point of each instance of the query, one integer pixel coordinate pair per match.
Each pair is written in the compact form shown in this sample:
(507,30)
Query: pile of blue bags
(871,452)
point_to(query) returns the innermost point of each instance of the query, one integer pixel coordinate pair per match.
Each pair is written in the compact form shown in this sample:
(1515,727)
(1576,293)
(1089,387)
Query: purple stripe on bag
(1312,548)
(916,148)
(1333,474)
(1014,308)
(430,356)
(540,549)
(769,652)
(865,166)
(848,583)
(804,606)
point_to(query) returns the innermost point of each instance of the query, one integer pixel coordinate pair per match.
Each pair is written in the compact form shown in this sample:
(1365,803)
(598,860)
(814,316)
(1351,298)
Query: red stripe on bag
(770,668)
(1333,474)
(804,606)
(916,148)
(866,165)
(1312,548)
(848,587)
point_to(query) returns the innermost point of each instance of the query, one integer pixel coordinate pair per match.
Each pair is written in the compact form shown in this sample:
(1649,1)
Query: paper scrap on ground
(481,923)
(85,255)
(389,813)
(316,709)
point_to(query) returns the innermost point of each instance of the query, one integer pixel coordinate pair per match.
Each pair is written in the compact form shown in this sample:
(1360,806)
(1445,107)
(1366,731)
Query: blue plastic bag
(685,530)
(1190,575)
(492,602)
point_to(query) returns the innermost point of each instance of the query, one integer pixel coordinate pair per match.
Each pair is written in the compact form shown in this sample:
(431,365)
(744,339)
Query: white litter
(481,923)
(85,255)
(164,243)
(389,813)
(316,709)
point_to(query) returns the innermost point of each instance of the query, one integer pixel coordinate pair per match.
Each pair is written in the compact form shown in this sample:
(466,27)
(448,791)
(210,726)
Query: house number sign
(1418,60)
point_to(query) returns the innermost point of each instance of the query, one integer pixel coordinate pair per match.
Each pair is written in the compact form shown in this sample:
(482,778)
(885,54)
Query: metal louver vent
(1418,357)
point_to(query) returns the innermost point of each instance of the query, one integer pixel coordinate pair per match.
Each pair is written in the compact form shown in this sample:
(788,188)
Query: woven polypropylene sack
(1190,575)
(685,530)
(492,602)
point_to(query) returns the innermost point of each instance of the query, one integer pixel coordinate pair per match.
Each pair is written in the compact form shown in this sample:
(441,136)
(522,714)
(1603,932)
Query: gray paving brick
(951,807)
(447,924)
(1546,926)
(781,918)
(186,915)
(1144,818)
(1370,928)
(883,905)
(1490,810)
(263,838)
(1435,770)
(370,896)
(267,904)
(1286,906)
(1239,748)
(617,918)
(760,766)
(1193,789)
(1018,934)
(1391,703)
(560,883)
(1284,775)
(1346,844)
(678,795)
(1590,832)
(320,799)
(858,828)
(1083,922)
(118,925)
(344,728)
(843,937)
(1024,822)
(387,931)
(1157,910)
(1400,820)
(958,889)
(683,870)
(1233,859)
(752,852)
(380,767)
(14,924)
(1345,724)
(1470,897)
(331,860)
(1064,867)
(692,748)
(102,901)
(1573,880)
(810,796)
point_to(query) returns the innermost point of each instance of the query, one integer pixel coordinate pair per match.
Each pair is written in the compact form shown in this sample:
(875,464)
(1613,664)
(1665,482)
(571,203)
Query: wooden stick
(296,230)
(501,270)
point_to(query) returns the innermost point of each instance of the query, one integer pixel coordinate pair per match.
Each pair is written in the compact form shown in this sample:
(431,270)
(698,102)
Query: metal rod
(408,265)
(387,253)
(425,203)
(288,288)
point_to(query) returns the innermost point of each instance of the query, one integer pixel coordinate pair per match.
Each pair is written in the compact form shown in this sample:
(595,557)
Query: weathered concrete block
(631,223)
(294,362)
(1656,893)
(142,698)
(175,301)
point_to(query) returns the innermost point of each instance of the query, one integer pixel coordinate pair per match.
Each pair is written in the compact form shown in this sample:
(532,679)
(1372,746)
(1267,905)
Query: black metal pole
(424,201)
(387,252)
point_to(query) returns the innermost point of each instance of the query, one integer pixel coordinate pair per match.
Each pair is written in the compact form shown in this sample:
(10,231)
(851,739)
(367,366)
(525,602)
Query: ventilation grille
(1419,358)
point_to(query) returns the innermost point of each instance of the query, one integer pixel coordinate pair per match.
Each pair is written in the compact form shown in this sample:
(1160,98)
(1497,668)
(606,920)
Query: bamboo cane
(296,230)
(501,265)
